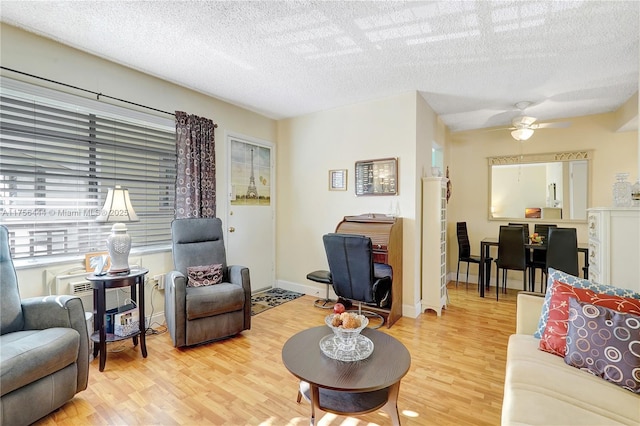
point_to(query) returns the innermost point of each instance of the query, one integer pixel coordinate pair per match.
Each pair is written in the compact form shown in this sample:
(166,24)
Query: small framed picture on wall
(338,180)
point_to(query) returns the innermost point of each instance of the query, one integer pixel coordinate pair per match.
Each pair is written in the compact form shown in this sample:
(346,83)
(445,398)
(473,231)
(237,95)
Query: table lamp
(117,208)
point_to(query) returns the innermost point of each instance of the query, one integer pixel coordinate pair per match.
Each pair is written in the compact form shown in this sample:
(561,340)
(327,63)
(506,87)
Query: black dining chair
(464,253)
(539,257)
(562,250)
(511,255)
(530,266)
(525,229)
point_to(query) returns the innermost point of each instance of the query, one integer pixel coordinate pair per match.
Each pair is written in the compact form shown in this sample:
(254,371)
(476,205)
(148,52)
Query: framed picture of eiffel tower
(250,172)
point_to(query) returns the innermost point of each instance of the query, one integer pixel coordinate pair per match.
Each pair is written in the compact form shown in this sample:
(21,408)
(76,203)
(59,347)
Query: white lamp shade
(522,134)
(117,207)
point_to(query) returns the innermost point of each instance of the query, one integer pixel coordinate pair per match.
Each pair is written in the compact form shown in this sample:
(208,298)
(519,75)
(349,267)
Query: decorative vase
(635,193)
(622,191)
(119,246)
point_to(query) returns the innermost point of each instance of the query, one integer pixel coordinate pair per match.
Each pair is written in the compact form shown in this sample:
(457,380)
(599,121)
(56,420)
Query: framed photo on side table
(338,180)
(97,262)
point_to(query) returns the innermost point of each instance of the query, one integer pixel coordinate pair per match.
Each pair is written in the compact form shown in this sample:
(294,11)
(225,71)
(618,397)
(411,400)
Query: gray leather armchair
(44,348)
(200,314)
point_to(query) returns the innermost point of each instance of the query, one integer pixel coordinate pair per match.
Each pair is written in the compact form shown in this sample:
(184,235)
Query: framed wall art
(377,177)
(338,180)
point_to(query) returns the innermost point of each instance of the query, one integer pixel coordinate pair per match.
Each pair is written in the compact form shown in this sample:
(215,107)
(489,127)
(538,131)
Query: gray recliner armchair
(44,348)
(200,314)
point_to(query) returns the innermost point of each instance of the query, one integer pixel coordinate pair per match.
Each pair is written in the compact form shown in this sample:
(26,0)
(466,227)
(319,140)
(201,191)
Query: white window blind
(59,157)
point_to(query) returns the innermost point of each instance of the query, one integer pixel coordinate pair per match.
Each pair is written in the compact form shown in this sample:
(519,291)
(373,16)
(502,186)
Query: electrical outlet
(159,280)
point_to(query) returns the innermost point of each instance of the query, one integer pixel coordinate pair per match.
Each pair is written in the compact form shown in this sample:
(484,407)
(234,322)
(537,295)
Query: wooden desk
(485,249)
(100,335)
(348,388)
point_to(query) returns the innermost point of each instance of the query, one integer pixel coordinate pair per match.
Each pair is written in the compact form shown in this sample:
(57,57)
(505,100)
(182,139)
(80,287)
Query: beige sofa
(540,389)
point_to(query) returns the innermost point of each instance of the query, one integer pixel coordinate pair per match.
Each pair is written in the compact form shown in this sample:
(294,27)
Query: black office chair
(562,250)
(511,255)
(350,259)
(539,257)
(464,253)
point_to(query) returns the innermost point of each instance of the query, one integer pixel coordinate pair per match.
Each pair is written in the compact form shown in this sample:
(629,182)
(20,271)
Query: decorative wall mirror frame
(551,187)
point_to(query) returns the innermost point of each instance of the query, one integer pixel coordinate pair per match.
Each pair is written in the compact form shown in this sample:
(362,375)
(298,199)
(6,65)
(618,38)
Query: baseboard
(412,311)
(309,290)
(156,320)
(514,284)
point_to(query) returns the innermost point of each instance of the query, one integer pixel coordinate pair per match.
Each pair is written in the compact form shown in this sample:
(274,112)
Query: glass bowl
(346,337)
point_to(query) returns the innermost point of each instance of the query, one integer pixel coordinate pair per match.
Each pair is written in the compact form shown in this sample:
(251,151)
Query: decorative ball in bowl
(347,327)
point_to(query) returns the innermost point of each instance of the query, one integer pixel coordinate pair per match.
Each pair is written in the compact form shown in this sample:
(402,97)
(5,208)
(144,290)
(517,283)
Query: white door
(251,211)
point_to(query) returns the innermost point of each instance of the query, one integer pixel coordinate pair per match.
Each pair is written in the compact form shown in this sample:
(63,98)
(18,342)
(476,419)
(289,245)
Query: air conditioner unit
(73,281)
(73,284)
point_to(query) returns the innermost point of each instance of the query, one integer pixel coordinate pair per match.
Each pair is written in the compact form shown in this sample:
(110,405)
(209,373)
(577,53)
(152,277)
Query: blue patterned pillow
(555,275)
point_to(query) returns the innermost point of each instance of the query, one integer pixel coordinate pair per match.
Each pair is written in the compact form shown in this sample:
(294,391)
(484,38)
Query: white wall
(401,126)
(311,145)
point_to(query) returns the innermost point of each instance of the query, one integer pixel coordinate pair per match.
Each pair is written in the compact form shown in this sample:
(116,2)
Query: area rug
(260,302)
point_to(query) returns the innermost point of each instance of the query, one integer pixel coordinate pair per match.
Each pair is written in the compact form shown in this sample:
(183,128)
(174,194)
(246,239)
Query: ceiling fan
(523,125)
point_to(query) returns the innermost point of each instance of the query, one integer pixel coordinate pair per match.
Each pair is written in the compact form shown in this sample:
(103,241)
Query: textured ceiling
(471,60)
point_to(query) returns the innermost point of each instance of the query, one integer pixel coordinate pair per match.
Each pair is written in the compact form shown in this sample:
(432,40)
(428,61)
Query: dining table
(485,252)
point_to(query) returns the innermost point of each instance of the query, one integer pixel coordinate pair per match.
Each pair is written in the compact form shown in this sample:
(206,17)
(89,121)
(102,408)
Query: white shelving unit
(434,244)
(614,246)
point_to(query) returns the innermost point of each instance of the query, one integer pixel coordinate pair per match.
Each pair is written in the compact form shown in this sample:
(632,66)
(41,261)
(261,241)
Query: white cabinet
(434,244)
(614,246)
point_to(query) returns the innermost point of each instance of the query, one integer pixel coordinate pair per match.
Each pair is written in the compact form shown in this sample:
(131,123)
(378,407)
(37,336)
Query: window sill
(40,262)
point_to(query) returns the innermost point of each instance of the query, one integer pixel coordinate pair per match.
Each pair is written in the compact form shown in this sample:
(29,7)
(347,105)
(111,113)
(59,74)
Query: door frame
(229,136)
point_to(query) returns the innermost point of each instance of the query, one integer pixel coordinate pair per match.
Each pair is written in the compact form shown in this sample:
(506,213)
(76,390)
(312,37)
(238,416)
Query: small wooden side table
(100,283)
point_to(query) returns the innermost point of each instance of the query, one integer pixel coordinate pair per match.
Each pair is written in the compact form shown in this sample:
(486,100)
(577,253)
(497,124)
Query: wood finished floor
(456,375)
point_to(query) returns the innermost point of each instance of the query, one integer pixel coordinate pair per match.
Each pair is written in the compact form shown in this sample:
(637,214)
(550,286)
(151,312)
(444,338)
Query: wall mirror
(547,187)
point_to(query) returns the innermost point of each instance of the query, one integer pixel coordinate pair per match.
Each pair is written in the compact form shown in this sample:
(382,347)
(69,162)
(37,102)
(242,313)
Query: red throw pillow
(555,333)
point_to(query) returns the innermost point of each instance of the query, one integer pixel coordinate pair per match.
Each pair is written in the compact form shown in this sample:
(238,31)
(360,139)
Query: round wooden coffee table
(348,388)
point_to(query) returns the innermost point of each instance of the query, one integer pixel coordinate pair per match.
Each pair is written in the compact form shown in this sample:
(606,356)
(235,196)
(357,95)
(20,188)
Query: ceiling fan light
(522,134)
(523,121)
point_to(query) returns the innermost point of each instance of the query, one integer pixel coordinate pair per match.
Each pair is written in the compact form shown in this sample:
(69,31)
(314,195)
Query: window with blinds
(57,161)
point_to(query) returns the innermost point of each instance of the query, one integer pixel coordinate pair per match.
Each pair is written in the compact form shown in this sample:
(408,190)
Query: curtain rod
(98,95)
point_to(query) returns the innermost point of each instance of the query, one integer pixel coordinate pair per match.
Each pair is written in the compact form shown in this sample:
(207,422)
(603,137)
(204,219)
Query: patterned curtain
(196,158)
